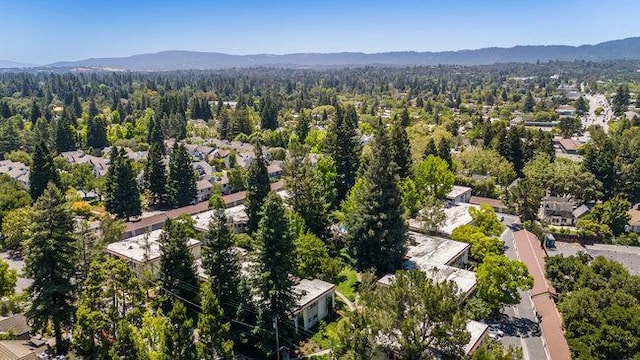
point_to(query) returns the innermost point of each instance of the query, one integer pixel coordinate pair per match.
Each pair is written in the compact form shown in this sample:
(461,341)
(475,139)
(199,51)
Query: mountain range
(625,49)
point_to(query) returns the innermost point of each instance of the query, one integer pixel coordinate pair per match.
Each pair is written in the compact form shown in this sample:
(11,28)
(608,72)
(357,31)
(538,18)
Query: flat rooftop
(477,331)
(433,249)
(310,290)
(628,256)
(142,248)
(457,191)
(465,280)
(235,213)
(457,215)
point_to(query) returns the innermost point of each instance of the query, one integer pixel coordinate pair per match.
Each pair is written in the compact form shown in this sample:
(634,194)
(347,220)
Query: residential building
(316,300)
(634,222)
(566,146)
(204,189)
(557,211)
(459,194)
(566,111)
(236,217)
(497,205)
(15,326)
(15,170)
(142,252)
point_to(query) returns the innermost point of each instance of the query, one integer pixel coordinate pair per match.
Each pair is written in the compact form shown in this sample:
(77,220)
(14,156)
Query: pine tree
(376,232)
(180,340)
(181,181)
(122,197)
(273,264)
(400,147)
(306,191)
(177,276)
(42,172)
(213,332)
(258,188)
(93,109)
(444,151)
(35,112)
(126,344)
(343,144)
(155,176)
(97,132)
(430,148)
(529,103)
(155,135)
(268,114)
(90,317)
(303,126)
(219,259)
(65,136)
(51,258)
(76,107)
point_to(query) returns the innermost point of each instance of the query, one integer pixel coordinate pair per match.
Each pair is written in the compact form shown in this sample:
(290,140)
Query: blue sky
(44,31)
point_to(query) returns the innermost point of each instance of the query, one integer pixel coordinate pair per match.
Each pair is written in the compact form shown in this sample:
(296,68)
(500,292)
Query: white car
(495,333)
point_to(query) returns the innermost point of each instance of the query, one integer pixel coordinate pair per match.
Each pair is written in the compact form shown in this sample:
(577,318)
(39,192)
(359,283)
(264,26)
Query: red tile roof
(531,253)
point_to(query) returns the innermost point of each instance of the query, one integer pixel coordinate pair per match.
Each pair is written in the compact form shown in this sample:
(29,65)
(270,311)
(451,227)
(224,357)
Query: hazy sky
(44,31)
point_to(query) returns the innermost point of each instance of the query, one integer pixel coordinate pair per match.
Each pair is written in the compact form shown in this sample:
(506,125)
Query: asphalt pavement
(519,322)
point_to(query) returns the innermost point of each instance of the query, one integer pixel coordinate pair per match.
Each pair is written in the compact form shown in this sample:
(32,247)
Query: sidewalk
(532,255)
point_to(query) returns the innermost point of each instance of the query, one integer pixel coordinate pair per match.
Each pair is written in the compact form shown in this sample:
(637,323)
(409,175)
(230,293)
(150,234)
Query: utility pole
(275,326)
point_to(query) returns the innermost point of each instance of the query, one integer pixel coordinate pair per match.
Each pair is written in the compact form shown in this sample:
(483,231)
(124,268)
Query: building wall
(318,310)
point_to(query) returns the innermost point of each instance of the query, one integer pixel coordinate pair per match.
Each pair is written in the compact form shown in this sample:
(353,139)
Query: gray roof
(629,256)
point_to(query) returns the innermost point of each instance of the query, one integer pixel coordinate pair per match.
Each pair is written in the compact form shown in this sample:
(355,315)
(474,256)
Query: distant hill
(628,49)
(6,64)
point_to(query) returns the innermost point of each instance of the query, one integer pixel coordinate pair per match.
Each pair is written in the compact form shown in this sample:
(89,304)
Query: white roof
(465,280)
(457,191)
(234,214)
(310,290)
(476,331)
(141,248)
(457,215)
(433,249)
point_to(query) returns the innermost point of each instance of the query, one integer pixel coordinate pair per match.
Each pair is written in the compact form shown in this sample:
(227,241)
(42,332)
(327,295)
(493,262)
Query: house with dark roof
(16,326)
(557,211)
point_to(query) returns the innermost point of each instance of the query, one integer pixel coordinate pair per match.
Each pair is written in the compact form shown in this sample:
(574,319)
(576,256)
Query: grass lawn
(347,284)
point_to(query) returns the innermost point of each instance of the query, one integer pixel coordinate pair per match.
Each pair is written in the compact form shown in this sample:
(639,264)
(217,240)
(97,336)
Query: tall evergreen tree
(65,136)
(258,188)
(304,125)
(42,172)
(51,258)
(178,277)
(213,332)
(444,151)
(376,232)
(155,135)
(344,146)
(122,197)
(181,181)
(219,259)
(273,265)
(126,344)
(400,147)
(76,107)
(180,340)
(90,317)
(529,103)
(268,113)
(93,109)
(35,112)
(430,148)
(155,177)
(97,132)
(305,188)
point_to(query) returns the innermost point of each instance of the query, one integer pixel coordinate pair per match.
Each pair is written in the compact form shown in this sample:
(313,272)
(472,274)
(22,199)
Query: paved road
(519,322)
(597,100)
